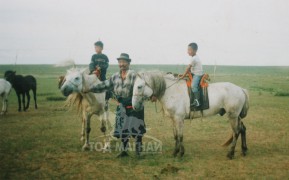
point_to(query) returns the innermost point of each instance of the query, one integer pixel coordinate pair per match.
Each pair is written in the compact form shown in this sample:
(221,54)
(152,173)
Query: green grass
(45,143)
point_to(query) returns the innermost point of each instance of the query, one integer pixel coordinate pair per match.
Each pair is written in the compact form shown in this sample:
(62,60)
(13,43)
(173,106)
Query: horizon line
(166,65)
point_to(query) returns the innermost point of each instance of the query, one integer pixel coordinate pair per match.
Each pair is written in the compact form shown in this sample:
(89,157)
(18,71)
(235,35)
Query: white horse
(5,89)
(224,97)
(88,103)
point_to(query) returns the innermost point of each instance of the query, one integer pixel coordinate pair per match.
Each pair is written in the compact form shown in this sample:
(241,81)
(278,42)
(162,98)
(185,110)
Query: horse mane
(74,100)
(78,101)
(157,82)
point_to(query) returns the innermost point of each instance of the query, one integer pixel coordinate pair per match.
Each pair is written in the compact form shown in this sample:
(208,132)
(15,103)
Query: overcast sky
(228,32)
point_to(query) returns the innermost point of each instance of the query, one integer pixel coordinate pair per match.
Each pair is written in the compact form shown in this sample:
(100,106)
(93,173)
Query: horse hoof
(182,154)
(86,147)
(82,139)
(244,152)
(175,153)
(230,155)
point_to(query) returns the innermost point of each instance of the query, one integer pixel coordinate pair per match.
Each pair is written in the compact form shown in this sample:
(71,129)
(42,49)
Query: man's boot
(138,148)
(123,152)
(196,102)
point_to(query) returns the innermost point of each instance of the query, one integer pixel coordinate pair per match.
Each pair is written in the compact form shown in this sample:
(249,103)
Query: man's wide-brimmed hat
(124,56)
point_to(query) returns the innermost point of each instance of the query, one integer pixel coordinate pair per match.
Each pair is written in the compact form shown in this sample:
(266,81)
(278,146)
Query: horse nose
(66,91)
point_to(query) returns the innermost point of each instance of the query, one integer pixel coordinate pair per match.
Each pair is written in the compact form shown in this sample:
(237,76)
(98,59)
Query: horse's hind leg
(243,138)
(34,96)
(23,101)
(19,101)
(178,134)
(28,101)
(235,123)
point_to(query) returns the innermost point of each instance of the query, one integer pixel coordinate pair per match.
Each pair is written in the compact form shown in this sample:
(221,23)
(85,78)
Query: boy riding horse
(99,64)
(196,69)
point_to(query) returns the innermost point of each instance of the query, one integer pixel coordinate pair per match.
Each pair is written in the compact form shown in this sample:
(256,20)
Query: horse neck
(89,80)
(157,84)
(92,98)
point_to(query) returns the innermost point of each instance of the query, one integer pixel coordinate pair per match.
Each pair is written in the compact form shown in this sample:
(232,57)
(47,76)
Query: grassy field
(45,143)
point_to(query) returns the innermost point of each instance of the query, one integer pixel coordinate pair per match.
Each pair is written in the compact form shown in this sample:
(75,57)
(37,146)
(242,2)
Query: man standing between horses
(129,123)
(195,67)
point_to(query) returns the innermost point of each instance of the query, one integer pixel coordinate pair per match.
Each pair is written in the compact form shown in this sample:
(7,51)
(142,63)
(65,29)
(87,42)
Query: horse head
(9,75)
(72,82)
(141,92)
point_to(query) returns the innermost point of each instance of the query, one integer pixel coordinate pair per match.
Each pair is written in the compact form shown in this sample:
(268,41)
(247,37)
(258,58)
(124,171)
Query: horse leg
(34,96)
(6,104)
(3,105)
(180,127)
(235,124)
(104,125)
(82,138)
(19,102)
(176,136)
(86,146)
(28,100)
(243,138)
(23,101)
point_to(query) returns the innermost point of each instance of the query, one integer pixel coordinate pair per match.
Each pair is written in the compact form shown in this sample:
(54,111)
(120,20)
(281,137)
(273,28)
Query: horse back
(23,84)
(30,81)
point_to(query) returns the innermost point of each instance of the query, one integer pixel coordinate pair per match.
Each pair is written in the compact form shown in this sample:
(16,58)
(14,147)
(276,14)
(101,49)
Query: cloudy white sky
(229,32)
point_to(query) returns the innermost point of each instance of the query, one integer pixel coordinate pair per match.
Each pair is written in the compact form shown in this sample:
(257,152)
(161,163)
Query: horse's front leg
(104,125)
(178,124)
(3,106)
(182,148)
(86,145)
(176,137)
(82,138)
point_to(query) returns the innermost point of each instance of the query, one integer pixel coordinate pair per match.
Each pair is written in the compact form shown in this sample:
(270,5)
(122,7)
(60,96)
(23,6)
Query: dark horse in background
(22,86)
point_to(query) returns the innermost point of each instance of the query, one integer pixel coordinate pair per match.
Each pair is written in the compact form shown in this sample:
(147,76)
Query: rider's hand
(154,99)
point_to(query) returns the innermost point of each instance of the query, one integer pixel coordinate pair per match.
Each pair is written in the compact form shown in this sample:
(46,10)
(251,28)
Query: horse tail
(245,108)
(242,115)
(75,99)
(228,142)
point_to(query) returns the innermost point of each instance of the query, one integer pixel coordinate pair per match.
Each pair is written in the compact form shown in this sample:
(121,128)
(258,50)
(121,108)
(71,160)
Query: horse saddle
(203,86)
